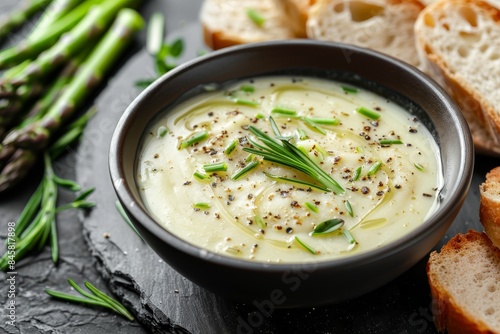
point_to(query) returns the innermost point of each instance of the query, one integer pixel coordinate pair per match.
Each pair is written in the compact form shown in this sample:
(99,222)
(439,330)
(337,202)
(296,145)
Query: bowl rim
(458,189)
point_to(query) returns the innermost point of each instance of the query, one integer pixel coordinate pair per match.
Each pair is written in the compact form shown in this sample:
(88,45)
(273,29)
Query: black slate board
(162,300)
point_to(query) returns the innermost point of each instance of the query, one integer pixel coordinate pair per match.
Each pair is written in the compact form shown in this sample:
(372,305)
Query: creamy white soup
(281,169)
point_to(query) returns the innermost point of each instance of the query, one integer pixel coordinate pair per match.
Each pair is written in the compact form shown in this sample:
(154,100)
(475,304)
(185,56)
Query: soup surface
(280,169)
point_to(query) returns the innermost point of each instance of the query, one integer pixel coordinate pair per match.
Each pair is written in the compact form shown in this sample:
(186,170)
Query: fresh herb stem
(313,126)
(126,218)
(390,142)
(245,170)
(348,206)
(311,207)
(259,222)
(349,237)
(305,246)
(96,297)
(327,226)
(283,112)
(230,148)
(323,121)
(348,89)
(247,88)
(357,173)
(368,113)
(374,168)
(201,177)
(201,205)
(290,180)
(161,132)
(418,166)
(245,102)
(193,139)
(302,134)
(215,167)
(287,154)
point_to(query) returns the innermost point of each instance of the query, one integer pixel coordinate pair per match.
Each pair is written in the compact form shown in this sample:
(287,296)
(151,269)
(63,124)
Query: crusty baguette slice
(458,45)
(489,206)
(382,25)
(465,284)
(226,22)
(297,12)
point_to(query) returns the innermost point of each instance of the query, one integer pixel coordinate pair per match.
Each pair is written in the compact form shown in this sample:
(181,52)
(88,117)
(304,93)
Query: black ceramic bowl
(292,285)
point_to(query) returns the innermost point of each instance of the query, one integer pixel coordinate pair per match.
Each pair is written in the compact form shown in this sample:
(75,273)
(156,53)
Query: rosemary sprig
(284,153)
(94,297)
(290,180)
(328,226)
(245,170)
(36,226)
(126,218)
(306,246)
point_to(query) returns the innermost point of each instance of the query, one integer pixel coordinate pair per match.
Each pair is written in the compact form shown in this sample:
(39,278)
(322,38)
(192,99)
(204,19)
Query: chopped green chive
(245,102)
(313,126)
(283,112)
(349,208)
(215,167)
(201,205)
(230,148)
(245,170)
(359,149)
(374,168)
(289,180)
(247,88)
(349,237)
(259,222)
(250,157)
(259,116)
(311,207)
(201,177)
(306,246)
(418,166)
(390,141)
(357,173)
(368,113)
(348,89)
(302,134)
(161,132)
(328,226)
(323,121)
(256,17)
(193,139)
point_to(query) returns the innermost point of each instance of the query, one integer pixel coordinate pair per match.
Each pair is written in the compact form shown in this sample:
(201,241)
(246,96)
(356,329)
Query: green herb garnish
(283,112)
(95,297)
(348,89)
(313,126)
(323,121)
(290,180)
(247,88)
(311,207)
(390,142)
(245,170)
(302,134)
(368,113)
(201,205)
(230,148)
(374,168)
(193,139)
(161,132)
(285,153)
(126,218)
(215,167)
(244,102)
(260,116)
(349,208)
(260,222)
(418,166)
(306,246)
(357,173)
(349,237)
(256,17)
(200,176)
(328,226)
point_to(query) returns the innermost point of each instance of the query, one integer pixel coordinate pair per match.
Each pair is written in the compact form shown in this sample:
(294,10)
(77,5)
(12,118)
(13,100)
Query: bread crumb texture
(489,205)
(465,283)
(382,25)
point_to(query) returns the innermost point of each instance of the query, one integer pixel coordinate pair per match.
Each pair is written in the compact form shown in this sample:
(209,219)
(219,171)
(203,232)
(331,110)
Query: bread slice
(465,285)
(489,206)
(382,25)
(226,22)
(458,46)
(297,12)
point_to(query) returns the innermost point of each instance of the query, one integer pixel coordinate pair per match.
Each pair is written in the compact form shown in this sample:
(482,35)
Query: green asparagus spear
(36,136)
(15,19)
(54,11)
(29,49)
(90,28)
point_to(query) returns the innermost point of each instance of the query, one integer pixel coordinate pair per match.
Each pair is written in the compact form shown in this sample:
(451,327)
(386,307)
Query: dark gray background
(162,300)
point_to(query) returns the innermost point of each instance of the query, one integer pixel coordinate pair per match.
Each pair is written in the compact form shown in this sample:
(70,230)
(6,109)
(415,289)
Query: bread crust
(489,205)
(449,316)
(297,12)
(483,119)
